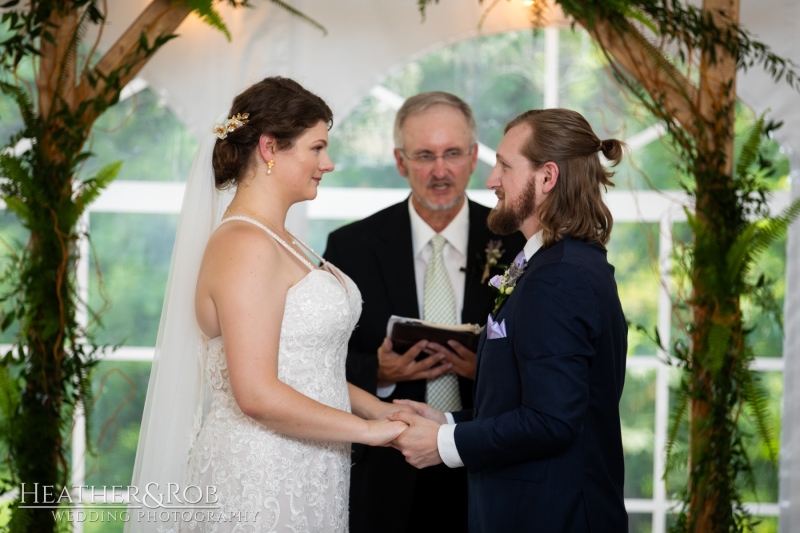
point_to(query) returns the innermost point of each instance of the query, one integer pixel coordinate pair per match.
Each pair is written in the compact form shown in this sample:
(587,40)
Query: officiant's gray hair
(422,102)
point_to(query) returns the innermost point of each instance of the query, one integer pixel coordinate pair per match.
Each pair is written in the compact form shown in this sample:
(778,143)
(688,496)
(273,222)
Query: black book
(405,332)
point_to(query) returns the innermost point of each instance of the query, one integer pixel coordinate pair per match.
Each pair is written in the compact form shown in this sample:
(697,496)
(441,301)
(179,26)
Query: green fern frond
(757,237)
(92,187)
(719,337)
(13,170)
(632,12)
(757,401)
(301,15)
(751,147)
(664,64)
(422,5)
(88,362)
(762,296)
(704,237)
(740,252)
(71,51)
(19,207)
(23,101)
(9,400)
(205,10)
(9,393)
(679,412)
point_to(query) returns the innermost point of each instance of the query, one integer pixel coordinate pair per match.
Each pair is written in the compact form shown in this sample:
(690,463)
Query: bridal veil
(175,392)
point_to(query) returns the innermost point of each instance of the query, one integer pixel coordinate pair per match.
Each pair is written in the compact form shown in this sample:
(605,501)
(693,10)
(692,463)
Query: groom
(542,445)
(391,257)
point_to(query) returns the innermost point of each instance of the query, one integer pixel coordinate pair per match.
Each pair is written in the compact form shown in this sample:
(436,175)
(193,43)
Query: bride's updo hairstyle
(277,106)
(574,207)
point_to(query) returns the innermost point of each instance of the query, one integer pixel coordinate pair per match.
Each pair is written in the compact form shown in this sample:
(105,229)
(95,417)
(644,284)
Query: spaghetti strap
(277,238)
(307,247)
(325,264)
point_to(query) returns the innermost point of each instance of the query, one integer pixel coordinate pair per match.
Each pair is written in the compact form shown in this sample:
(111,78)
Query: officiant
(428,257)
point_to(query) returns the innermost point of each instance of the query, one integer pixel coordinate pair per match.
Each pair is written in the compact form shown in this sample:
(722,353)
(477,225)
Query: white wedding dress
(267,481)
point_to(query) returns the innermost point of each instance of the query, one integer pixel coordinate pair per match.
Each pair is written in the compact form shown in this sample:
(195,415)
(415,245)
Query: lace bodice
(318,319)
(267,480)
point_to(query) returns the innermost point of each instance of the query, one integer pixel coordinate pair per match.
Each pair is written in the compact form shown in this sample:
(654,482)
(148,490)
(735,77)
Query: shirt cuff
(385,392)
(446,442)
(450,419)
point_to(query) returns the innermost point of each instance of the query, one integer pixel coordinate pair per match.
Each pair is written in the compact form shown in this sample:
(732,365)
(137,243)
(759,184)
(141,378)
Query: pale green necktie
(439,306)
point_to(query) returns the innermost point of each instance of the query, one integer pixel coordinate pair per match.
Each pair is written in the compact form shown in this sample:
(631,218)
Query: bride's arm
(250,276)
(369,406)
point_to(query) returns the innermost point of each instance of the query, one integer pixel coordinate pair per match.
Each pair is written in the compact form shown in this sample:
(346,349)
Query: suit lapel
(475,295)
(509,256)
(395,256)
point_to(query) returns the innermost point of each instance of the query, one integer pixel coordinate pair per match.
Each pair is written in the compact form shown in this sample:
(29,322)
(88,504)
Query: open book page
(465,328)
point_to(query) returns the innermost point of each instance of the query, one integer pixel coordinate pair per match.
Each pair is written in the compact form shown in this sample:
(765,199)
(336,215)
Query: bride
(247,423)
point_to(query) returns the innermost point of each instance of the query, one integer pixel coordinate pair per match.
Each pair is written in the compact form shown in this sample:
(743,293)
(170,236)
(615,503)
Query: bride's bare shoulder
(241,248)
(241,237)
(241,265)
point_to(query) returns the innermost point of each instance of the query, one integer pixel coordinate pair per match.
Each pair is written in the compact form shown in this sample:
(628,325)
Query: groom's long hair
(574,207)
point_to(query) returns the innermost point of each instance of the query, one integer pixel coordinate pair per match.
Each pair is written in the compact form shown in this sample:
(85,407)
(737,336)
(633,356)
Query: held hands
(422,409)
(411,427)
(380,430)
(418,443)
(383,432)
(394,367)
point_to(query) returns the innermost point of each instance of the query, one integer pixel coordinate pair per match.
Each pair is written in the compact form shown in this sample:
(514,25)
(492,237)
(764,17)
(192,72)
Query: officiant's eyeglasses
(453,157)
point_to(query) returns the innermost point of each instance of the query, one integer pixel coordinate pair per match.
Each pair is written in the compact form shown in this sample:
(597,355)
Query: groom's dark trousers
(386,494)
(542,445)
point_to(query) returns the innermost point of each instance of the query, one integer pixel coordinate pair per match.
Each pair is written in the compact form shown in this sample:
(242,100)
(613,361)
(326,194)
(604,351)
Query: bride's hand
(383,432)
(389,408)
(422,409)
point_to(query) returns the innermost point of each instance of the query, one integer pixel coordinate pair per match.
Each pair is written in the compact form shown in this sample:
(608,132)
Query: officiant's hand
(422,409)
(394,367)
(418,442)
(461,357)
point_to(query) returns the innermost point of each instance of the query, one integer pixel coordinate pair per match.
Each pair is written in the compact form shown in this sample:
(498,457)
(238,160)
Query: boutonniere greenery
(504,284)
(494,251)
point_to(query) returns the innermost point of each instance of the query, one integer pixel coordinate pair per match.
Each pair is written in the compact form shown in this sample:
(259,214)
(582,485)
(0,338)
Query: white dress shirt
(454,254)
(445,440)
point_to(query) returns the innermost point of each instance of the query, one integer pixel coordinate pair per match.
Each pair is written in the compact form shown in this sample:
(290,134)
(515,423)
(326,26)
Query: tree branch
(159,19)
(57,64)
(636,56)
(717,84)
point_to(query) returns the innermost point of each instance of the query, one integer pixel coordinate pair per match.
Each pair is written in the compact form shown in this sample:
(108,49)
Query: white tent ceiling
(199,73)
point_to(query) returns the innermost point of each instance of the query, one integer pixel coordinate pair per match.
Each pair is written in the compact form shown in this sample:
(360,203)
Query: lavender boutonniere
(505,283)
(494,251)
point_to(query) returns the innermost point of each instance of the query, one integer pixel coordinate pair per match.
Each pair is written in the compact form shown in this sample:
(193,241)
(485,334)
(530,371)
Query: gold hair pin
(232,124)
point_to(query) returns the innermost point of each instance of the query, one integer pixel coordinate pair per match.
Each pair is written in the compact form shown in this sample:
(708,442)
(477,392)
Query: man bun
(612,150)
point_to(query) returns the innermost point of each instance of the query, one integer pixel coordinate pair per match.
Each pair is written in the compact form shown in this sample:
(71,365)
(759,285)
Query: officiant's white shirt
(446,440)
(454,254)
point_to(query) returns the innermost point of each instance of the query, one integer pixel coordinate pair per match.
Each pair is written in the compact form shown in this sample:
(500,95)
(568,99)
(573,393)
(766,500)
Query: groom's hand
(394,367)
(422,409)
(389,408)
(418,442)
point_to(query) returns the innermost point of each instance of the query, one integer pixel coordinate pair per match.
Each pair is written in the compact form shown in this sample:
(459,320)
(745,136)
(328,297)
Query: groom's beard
(506,219)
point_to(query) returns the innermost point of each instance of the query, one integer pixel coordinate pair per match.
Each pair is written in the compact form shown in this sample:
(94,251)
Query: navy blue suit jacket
(542,445)
(377,254)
